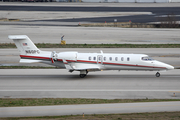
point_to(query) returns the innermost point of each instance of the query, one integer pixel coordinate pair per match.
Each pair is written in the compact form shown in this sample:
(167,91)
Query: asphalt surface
(132,18)
(89,109)
(156,11)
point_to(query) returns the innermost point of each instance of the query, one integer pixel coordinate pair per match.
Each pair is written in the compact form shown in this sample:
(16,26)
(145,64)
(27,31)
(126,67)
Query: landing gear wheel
(158,74)
(82,75)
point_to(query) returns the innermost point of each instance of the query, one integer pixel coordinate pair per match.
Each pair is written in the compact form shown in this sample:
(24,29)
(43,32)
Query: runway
(55,83)
(89,109)
(58,83)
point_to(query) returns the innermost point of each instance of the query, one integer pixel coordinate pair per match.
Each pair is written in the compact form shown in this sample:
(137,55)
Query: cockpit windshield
(147,58)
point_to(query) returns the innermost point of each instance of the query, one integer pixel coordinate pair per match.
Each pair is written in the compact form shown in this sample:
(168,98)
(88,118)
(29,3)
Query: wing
(79,67)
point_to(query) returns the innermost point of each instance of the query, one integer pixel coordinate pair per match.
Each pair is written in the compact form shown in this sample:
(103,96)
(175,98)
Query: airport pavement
(53,83)
(89,109)
(112,7)
(153,11)
(82,4)
(91,35)
(59,83)
(46,24)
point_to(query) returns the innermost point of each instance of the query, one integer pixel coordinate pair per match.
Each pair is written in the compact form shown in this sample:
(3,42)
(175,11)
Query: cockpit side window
(147,59)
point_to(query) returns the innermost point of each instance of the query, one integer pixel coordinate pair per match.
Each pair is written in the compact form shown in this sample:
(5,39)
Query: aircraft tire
(158,74)
(82,75)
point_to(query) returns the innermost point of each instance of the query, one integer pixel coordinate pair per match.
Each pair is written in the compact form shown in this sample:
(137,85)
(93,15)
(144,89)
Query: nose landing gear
(158,74)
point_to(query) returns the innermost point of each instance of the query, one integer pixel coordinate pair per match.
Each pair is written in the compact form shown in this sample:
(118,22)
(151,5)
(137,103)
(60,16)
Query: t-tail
(24,44)
(29,53)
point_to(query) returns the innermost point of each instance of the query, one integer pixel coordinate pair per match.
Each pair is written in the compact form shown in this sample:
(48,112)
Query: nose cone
(169,67)
(163,65)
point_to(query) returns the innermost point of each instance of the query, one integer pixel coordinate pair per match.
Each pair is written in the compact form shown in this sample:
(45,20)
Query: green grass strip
(49,45)
(10,102)
(26,67)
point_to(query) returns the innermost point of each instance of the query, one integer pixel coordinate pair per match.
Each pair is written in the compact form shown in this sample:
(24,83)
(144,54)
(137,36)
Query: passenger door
(100,59)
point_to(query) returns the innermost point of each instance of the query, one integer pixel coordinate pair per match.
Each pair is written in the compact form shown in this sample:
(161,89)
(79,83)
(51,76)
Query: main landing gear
(83,73)
(158,74)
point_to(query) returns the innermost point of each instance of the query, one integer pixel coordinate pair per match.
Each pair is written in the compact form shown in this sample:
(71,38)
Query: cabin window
(89,57)
(99,58)
(116,58)
(122,59)
(128,59)
(104,58)
(110,58)
(94,58)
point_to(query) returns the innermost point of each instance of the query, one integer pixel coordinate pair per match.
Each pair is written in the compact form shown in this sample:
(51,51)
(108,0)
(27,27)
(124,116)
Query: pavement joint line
(92,90)
(175,91)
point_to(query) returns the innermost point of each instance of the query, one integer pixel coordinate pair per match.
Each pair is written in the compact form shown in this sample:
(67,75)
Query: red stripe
(134,65)
(70,60)
(59,60)
(86,61)
(34,57)
(52,60)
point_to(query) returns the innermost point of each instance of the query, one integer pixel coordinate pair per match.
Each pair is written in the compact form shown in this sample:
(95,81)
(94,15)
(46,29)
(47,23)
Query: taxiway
(59,83)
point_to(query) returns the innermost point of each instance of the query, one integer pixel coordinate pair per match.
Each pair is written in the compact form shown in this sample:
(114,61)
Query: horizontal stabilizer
(17,37)
(29,61)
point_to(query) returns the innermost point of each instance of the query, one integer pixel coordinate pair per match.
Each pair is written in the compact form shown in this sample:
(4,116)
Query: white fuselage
(100,61)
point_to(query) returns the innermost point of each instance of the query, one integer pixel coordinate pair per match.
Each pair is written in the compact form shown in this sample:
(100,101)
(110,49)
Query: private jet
(86,62)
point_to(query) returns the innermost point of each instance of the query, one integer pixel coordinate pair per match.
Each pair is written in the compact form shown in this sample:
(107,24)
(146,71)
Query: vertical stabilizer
(24,44)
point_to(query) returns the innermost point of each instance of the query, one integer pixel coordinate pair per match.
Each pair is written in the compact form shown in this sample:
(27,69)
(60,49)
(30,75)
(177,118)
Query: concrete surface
(89,109)
(92,35)
(42,15)
(59,83)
